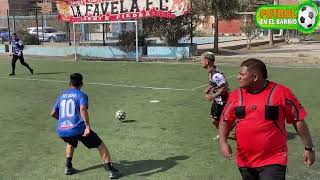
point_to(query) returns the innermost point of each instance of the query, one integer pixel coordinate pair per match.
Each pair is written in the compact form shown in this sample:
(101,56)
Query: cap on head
(209,56)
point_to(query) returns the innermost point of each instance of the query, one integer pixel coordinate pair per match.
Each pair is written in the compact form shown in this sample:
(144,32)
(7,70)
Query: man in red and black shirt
(260,109)
(218,87)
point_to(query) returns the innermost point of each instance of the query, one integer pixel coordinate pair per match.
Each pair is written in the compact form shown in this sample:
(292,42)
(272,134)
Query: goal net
(106,40)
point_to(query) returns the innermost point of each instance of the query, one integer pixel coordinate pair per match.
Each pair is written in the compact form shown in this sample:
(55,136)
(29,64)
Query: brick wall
(229,27)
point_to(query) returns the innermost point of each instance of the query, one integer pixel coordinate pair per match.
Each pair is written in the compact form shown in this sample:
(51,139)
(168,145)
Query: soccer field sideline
(108,84)
(150,87)
(156,135)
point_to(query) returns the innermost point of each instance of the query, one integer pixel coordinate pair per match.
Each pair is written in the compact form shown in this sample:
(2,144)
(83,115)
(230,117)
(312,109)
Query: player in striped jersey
(217,90)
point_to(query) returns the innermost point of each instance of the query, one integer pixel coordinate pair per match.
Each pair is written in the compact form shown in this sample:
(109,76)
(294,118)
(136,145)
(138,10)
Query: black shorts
(274,172)
(91,141)
(216,110)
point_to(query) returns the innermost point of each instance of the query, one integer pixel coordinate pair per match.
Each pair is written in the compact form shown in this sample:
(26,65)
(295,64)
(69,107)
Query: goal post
(89,40)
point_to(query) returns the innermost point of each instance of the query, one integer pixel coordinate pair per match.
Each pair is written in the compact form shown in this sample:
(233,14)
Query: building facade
(16,5)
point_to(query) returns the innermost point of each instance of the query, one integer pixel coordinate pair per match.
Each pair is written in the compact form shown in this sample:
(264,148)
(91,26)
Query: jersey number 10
(67,108)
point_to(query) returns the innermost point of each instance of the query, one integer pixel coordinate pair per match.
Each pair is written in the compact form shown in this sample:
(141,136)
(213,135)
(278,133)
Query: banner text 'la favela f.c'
(116,10)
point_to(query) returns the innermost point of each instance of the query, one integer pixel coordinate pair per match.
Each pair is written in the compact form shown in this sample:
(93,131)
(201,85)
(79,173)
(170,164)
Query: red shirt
(260,129)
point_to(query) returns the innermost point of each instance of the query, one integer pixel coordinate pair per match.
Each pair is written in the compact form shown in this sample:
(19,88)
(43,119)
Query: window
(50,30)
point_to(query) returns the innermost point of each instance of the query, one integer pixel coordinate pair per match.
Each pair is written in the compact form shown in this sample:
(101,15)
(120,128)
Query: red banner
(117,10)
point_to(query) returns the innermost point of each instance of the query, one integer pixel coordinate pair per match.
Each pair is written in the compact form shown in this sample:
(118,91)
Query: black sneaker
(114,173)
(31,71)
(70,171)
(12,74)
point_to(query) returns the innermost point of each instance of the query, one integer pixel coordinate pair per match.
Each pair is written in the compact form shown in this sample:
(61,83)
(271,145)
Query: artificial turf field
(170,140)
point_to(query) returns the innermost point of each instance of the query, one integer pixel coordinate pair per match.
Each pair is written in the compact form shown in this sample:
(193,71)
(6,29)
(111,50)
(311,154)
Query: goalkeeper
(17,48)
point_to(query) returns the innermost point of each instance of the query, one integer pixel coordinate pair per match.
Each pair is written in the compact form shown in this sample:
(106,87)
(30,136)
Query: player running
(217,85)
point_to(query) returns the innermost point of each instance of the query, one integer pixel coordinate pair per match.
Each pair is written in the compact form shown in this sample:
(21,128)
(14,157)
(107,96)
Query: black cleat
(114,173)
(31,71)
(12,74)
(70,171)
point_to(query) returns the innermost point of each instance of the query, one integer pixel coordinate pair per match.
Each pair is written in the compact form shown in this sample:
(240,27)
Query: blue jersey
(70,122)
(17,46)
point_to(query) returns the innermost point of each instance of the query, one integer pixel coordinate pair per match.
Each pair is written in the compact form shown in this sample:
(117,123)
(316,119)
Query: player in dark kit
(17,48)
(217,85)
(73,125)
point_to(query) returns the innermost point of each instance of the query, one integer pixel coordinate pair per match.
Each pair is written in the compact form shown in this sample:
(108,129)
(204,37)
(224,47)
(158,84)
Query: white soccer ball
(307,17)
(120,115)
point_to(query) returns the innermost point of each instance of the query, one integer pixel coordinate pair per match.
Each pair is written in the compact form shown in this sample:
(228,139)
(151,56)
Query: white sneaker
(216,138)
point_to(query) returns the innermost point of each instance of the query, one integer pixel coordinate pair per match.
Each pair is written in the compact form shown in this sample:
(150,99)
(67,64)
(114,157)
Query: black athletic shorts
(91,141)
(216,110)
(274,172)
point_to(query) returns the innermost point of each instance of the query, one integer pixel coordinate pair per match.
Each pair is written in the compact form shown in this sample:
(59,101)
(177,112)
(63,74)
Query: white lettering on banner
(96,10)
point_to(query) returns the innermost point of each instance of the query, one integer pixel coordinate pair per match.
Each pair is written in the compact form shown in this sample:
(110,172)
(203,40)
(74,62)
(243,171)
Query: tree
(287,35)
(220,9)
(248,27)
(170,30)
(252,5)
(28,39)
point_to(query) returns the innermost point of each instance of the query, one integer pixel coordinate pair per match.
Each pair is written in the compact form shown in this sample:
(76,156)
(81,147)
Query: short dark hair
(14,34)
(257,65)
(76,79)
(210,56)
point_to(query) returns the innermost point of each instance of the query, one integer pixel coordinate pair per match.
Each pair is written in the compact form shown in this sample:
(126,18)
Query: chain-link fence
(106,40)
(36,28)
(45,27)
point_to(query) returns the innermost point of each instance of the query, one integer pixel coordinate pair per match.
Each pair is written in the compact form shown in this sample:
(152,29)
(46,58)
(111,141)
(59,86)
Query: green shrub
(127,40)
(28,39)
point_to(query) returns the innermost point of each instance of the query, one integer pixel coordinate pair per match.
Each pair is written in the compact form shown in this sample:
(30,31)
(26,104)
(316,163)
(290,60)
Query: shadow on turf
(42,73)
(291,135)
(48,73)
(142,167)
(128,121)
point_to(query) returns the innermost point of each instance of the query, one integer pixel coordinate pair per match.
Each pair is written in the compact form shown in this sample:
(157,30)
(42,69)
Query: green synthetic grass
(171,139)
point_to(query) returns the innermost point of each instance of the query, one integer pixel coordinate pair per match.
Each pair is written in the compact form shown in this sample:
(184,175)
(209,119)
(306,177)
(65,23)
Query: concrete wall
(229,27)
(2,48)
(289,2)
(107,52)
(4,6)
(225,27)
(169,52)
(91,51)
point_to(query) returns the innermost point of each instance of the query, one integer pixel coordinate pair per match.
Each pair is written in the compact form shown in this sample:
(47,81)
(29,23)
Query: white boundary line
(142,87)
(294,67)
(273,66)
(93,83)
(207,84)
(199,87)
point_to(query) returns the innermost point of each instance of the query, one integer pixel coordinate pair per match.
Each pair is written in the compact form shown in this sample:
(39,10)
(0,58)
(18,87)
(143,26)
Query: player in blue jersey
(73,125)
(17,53)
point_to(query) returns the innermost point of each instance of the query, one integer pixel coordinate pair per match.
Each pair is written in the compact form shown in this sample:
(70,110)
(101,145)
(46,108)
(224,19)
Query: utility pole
(270,34)
(191,24)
